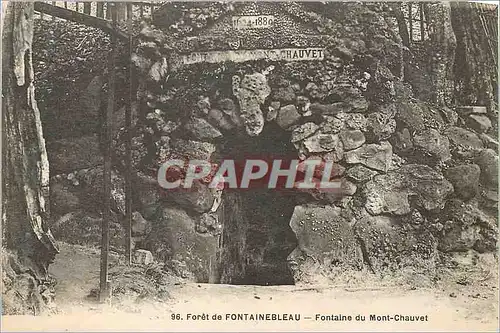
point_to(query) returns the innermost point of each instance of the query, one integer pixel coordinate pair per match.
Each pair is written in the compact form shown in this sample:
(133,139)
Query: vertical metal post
(53,4)
(152,9)
(128,147)
(410,20)
(422,26)
(105,291)
(141,8)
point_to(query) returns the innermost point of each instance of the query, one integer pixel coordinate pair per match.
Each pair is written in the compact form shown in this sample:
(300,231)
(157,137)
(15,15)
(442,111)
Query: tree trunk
(475,68)
(402,26)
(28,245)
(442,52)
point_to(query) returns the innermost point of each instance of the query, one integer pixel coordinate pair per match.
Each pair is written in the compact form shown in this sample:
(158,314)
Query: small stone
(450,116)
(356,121)
(287,116)
(352,139)
(201,129)
(159,70)
(328,109)
(325,143)
(381,125)
(331,125)
(192,149)
(303,131)
(227,106)
(220,119)
(272,112)
(284,95)
(168,127)
(401,141)
(140,226)
(143,257)
(360,173)
(348,188)
(374,156)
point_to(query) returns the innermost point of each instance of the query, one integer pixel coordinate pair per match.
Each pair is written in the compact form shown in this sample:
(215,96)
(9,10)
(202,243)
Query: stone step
(467,110)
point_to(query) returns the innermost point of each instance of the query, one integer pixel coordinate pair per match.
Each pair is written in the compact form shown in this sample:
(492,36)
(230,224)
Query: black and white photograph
(249,166)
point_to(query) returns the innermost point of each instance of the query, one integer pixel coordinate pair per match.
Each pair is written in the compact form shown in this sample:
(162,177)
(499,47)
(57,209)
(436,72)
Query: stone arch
(333,90)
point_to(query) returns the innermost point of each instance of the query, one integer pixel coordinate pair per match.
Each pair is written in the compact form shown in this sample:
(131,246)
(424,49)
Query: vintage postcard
(249,166)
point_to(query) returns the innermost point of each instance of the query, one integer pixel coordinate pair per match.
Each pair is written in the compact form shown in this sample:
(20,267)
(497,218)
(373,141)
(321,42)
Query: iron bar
(410,20)
(422,27)
(128,148)
(105,291)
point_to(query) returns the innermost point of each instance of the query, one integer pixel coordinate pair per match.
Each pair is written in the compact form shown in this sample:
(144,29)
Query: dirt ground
(454,307)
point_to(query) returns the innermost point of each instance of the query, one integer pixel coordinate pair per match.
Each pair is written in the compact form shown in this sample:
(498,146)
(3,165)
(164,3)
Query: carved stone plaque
(291,54)
(253,22)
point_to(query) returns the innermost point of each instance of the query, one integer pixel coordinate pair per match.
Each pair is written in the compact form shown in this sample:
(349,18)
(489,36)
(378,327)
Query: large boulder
(325,241)
(390,193)
(85,228)
(389,244)
(465,180)
(173,239)
(67,155)
(462,138)
(431,147)
(488,162)
(148,194)
(418,117)
(189,149)
(92,181)
(464,227)
(374,156)
(63,198)
(198,198)
(479,123)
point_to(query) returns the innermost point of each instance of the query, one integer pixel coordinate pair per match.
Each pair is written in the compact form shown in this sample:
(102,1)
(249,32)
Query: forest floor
(453,305)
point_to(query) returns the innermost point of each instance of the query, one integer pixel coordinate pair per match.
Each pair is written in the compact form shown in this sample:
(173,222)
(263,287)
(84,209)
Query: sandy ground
(469,308)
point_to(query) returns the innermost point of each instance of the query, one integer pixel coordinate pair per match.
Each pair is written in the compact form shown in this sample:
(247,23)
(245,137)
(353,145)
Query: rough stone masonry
(419,180)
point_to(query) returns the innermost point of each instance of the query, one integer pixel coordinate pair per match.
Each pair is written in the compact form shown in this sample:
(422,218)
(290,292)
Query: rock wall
(419,180)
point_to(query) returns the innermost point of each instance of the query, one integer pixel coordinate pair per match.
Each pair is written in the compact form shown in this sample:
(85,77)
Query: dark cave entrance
(257,238)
